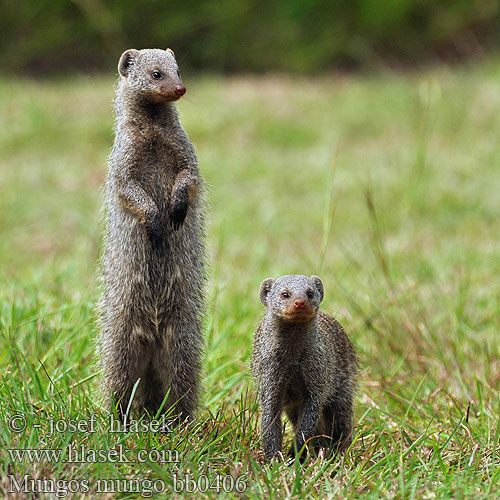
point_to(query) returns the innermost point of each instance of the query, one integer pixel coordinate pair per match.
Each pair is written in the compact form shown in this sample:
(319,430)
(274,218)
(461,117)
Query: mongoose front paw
(155,239)
(155,233)
(178,215)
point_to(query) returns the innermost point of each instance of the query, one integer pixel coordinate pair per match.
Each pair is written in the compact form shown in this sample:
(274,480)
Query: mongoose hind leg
(178,368)
(123,363)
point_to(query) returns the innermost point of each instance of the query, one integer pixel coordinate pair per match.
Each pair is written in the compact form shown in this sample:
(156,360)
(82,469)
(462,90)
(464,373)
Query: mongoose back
(152,264)
(303,363)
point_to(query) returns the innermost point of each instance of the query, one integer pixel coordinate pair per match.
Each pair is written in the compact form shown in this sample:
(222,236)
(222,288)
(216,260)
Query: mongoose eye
(156,75)
(178,73)
(310,295)
(285,295)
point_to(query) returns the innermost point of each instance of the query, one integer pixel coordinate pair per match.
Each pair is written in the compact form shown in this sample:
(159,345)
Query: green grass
(385,186)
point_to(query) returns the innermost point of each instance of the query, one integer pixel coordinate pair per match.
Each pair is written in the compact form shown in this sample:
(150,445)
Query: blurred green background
(246,36)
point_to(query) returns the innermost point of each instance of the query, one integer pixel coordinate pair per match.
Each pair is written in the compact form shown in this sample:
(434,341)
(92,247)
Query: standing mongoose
(303,363)
(152,264)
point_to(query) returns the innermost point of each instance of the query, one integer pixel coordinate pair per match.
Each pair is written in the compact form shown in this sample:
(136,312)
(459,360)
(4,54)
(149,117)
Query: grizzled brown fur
(152,265)
(304,364)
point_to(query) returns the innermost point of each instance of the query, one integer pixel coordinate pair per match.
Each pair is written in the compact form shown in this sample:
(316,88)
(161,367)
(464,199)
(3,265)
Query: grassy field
(385,186)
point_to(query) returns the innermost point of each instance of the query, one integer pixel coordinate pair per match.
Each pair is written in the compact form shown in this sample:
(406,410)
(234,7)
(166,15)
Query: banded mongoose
(152,264)
(303,363)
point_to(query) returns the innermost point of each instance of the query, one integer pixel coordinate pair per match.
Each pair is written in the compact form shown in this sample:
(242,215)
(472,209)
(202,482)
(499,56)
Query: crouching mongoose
(152,264)
(303,363)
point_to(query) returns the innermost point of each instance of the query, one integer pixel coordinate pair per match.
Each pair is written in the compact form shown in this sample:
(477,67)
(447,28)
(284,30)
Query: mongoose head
(293,298)
(152,74)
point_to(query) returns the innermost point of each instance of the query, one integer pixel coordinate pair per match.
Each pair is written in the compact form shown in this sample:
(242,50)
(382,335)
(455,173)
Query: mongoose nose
(180,90)
(299,304)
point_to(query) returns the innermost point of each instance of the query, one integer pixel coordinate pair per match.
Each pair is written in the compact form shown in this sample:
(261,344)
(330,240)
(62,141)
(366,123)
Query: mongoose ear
(126,60)
(171,52)
(319,286)
(265,288)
